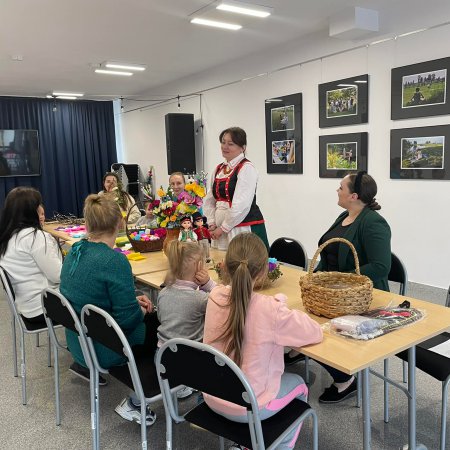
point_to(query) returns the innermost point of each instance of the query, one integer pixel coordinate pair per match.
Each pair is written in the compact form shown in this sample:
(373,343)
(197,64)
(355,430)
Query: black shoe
(85,374)
(331,394)
(290,360)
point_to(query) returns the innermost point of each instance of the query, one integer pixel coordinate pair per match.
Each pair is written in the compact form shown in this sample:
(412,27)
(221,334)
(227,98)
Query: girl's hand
(145,303)
(212,227)
(201,277)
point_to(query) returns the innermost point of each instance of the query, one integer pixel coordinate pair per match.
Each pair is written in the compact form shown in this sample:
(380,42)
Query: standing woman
(230,205)
(29,255)
(371,236)
(113,186)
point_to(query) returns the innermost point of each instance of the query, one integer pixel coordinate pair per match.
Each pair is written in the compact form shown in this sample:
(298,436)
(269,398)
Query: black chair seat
(33,326)
(273,427)
(434,364)
(147,374)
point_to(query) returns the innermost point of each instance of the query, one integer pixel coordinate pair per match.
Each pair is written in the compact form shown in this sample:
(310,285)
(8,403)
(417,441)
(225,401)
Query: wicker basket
(143,246)
(334,294)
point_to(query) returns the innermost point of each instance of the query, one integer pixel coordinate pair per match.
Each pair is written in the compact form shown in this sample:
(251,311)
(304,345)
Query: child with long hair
(253,329)
(182,303)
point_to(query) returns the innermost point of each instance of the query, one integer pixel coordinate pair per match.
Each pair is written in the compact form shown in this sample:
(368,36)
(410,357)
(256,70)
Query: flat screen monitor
(19,153)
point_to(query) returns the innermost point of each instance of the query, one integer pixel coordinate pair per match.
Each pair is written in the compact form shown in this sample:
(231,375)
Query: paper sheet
(442,349)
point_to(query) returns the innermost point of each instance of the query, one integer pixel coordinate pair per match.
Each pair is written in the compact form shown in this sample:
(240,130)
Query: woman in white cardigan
(31,257)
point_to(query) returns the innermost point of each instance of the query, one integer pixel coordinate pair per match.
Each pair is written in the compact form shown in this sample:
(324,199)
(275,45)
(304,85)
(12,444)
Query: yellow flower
(124,214)
(190,187)
(161,192)
(164,222)
(199,190)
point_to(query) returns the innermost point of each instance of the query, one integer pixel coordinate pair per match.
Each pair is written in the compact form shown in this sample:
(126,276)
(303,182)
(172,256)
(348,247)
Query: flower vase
(172,233)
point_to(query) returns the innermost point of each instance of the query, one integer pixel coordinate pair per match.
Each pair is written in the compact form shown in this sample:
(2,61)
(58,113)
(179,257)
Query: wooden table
(353,356)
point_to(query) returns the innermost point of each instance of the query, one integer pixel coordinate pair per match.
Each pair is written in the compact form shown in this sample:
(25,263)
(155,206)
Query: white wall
(303,206)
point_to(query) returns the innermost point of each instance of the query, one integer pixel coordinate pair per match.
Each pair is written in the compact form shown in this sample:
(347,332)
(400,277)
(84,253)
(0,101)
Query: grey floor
(340,426)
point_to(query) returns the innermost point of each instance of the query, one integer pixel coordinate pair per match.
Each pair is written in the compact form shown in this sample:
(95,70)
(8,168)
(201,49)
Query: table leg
(412,443)
(366,408)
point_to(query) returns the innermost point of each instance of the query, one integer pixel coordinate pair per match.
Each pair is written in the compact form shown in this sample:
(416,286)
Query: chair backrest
(398,273)
(184,362)
(447,300)
(289,251)
(59,310)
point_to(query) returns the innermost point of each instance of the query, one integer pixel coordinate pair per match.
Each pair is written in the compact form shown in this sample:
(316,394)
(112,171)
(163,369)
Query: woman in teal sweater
(371,236)
(93,273)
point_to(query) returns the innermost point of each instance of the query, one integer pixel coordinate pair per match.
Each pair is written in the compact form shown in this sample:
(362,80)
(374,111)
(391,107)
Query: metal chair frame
(247,397)
(16,318)
(88,314)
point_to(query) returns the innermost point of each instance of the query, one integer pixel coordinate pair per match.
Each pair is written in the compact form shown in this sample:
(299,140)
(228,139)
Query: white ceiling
(60,40)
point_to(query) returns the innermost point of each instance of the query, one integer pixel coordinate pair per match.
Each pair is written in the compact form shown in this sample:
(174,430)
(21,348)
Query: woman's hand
(212,227)
(217,233)
(145,303)
(201,277)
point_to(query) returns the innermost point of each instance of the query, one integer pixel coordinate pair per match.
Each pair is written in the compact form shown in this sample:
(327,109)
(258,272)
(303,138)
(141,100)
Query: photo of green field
(342,156)
(282,118)
(423,152)
(424,89)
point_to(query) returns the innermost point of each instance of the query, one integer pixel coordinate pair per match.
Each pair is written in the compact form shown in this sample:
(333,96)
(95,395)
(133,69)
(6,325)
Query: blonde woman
(94,273)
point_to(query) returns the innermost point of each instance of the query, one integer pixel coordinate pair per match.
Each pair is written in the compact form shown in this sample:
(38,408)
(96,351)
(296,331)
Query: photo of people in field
(342,155)
(424,89)
(283,152)
(342,102)
(282,118)
(423,152)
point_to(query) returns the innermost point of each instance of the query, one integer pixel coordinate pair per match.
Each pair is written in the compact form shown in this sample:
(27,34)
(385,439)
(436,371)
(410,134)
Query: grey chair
(24,327)
(289,251)
(138,374)
(200,366)
(59,312)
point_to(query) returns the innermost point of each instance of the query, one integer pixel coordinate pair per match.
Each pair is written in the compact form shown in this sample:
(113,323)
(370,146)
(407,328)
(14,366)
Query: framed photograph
(283,118)
(344,102)
(340,154)
(420,90)
(284,136)
(420,153)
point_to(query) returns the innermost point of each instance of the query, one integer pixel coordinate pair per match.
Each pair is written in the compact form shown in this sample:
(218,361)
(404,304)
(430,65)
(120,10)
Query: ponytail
(245,262)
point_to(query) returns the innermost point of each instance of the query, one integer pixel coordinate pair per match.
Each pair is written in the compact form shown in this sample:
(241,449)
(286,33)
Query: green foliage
(433,94)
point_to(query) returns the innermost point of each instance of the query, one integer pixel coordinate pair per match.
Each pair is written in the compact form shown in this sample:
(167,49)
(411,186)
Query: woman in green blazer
(371,236)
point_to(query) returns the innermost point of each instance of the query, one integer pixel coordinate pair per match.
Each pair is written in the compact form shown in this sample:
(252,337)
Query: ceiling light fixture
(241,8)
(66,97)
(113,72)
(70,94)
(114,65)
(213,23)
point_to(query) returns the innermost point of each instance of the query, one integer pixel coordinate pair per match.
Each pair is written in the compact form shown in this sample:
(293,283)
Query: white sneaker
(128,411)
(185,392)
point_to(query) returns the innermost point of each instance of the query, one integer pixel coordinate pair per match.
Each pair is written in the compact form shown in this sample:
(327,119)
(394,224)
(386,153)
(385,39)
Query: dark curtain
(77,145)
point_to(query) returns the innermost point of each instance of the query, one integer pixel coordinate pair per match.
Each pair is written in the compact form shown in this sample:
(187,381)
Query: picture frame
(420,153)
(284,134)
(420,90)
(344,102)
(340,154)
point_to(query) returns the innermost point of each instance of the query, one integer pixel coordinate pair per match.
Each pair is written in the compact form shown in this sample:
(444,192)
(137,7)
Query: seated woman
(371,235)
(113,186)
(94,273)
(31,257)
(177,182)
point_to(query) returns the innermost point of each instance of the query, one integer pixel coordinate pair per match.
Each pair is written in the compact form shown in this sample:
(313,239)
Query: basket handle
(330,241)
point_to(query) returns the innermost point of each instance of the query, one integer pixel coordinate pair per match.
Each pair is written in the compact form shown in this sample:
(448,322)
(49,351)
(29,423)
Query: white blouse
(33,262)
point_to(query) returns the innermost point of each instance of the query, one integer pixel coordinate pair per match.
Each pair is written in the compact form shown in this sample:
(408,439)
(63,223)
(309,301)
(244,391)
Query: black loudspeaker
(132,171)
(180,141)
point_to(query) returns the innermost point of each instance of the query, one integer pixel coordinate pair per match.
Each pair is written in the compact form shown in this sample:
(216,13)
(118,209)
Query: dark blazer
(371,236)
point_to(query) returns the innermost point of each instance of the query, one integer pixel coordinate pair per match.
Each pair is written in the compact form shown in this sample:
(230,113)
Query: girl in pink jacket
(253,329)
